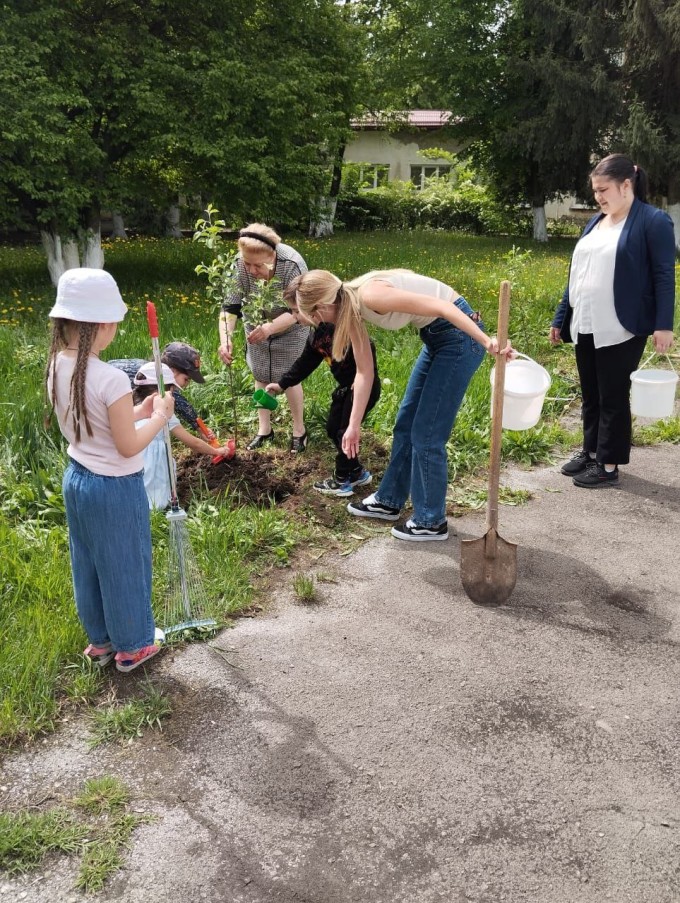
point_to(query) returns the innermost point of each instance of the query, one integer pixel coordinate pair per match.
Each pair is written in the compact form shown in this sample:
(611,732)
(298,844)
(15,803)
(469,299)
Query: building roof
(422,119)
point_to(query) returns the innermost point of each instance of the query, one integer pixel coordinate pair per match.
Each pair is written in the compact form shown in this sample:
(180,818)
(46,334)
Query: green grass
(101,795)
(40,638)
(304,589)
(95,825)
(26,837)
(121,723)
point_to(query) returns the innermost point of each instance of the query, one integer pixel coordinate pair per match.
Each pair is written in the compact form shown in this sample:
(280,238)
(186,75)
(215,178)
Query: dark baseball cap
(185,358)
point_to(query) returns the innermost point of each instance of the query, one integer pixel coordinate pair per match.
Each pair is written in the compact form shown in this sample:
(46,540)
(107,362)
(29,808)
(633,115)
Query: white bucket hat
(88,296)
(146,375)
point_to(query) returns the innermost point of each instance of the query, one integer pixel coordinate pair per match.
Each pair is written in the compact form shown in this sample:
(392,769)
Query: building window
(419,174)
(373,175)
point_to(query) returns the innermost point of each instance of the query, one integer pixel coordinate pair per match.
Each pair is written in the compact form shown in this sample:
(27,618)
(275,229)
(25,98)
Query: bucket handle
(525,356)
(653,354)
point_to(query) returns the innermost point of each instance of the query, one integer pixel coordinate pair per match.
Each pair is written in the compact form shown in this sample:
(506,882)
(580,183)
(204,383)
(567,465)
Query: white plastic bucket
(653,393)
(526,385)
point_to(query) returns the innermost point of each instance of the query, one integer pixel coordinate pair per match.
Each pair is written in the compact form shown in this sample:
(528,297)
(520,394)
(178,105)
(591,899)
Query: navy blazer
(644,273)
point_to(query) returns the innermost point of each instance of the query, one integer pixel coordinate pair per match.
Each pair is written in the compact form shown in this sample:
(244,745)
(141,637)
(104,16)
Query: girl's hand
(554,336)
(351,441)
(260,334)
(165,405)
(273,389)
(662,340)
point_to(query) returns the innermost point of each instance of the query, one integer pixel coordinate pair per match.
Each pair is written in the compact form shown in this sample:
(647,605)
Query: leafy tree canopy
(104,100)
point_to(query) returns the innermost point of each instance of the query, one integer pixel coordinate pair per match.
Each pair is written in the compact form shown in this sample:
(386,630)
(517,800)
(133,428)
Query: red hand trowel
(212,439)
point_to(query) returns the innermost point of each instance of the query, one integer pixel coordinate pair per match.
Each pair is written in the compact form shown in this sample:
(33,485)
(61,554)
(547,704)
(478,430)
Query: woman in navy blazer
(621,290)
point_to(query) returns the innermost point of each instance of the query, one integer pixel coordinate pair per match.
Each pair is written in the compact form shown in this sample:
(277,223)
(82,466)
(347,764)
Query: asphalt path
(397,744)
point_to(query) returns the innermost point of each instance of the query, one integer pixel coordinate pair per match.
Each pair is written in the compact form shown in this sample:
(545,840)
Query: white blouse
(591,288)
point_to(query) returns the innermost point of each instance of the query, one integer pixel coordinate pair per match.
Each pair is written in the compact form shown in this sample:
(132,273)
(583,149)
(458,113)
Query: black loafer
(298,443)
(260,440)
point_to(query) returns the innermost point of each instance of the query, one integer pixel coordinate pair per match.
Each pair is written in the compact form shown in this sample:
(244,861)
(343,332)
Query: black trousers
(336,424)
(605,387)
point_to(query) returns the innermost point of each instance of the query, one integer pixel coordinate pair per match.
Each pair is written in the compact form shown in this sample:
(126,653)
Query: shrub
(462,206)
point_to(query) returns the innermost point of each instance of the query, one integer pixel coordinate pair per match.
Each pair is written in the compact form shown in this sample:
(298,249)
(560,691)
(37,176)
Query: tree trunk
(51,242)
(540,223)
(93,255)
(172,229)
(71,252)
(62,253)
(118,227)
(321,225)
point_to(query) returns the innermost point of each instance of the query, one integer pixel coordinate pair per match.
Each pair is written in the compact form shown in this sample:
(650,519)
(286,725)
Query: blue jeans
(110,544)
(425,419)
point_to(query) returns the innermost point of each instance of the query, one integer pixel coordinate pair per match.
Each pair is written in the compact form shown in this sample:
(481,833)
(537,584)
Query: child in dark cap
(185,363)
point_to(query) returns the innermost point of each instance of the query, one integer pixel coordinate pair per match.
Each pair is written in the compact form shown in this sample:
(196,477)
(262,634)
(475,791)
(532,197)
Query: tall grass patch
(40,637)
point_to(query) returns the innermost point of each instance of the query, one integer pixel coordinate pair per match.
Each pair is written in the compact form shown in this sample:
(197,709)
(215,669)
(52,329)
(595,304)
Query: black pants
(336,424)
(605,387)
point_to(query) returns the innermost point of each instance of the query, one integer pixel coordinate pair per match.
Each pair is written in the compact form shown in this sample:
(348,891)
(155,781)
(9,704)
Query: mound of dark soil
(251,477)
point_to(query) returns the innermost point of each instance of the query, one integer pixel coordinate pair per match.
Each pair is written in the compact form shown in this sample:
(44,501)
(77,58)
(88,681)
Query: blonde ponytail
(349,315)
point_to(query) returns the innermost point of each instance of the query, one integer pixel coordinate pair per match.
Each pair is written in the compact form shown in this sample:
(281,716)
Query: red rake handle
(152,318)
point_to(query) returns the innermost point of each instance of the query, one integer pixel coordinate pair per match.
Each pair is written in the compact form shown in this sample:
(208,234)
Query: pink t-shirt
(104,385)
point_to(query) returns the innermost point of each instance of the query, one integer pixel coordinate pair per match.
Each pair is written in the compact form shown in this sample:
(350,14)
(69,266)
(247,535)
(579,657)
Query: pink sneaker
(99,655)
(128,661)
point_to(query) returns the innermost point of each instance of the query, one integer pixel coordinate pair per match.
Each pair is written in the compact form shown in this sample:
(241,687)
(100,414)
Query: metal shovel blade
(488,568)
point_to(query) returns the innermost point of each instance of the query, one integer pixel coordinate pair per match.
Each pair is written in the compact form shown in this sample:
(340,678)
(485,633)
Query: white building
(389,147)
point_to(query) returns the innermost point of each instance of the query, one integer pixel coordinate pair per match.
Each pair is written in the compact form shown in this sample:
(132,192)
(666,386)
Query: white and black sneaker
(412,533)
(370,508)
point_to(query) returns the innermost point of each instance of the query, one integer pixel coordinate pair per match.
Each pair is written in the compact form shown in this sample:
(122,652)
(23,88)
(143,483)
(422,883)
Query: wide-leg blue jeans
(435,391)
(110,544)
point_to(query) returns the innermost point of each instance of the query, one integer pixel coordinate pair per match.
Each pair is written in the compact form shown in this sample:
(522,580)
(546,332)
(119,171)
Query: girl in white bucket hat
(106,506)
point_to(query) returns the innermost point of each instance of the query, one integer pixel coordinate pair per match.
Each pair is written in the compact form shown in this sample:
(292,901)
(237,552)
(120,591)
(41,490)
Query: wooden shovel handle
(497,410)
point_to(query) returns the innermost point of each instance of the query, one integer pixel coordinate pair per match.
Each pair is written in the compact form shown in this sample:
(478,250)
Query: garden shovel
(488,566)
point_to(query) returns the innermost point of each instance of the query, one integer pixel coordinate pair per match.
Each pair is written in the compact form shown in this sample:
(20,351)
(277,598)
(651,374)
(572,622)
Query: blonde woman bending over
(454,343)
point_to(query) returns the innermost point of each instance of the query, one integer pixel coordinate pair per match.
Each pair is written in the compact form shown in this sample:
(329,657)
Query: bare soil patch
(263,476)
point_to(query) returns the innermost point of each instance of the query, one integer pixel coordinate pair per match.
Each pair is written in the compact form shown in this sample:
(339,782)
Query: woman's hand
(351,441)
(226,351)
(662,340)
(260,334)
(492,348)
(273,389)
(554,336)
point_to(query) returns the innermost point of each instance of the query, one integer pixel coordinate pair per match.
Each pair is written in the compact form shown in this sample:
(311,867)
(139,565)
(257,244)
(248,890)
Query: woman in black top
(349,472)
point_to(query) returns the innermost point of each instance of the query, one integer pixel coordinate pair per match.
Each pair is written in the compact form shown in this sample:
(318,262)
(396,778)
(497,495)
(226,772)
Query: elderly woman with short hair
(273,346)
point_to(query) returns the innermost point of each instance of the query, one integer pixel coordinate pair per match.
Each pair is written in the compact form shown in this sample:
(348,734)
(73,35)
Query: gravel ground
(397,744)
